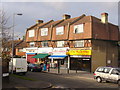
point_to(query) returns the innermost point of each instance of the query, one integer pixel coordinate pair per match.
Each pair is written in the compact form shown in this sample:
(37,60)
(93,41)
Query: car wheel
(107,81)
(119,83)
(99,79)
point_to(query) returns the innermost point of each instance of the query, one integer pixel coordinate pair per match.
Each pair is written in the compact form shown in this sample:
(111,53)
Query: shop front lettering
(80,52)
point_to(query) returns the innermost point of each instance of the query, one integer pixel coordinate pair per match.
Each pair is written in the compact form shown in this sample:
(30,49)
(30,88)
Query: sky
(46,11)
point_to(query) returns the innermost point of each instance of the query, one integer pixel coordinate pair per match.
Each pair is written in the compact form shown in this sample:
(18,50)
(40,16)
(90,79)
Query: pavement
(18,83)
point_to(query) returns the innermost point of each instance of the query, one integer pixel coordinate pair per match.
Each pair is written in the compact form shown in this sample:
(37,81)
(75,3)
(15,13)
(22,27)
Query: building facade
(90,42)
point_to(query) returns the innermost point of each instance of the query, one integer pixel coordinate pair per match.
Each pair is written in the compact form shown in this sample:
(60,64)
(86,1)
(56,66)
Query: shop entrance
(83,64)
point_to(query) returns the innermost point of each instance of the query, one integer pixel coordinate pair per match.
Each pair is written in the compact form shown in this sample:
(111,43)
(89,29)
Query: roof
(40,25)
(53,23)
(21,44)
(71,20)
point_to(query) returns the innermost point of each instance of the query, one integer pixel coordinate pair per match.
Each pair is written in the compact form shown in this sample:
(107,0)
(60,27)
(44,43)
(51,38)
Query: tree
(5,37)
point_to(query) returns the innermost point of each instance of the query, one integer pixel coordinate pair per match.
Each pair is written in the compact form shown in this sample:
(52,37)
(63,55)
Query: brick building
(90,42)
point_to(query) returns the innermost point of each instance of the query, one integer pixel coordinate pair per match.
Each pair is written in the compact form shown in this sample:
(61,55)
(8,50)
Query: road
(69,81)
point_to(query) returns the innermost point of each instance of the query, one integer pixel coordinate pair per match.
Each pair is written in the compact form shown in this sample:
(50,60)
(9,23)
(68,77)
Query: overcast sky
(46,11)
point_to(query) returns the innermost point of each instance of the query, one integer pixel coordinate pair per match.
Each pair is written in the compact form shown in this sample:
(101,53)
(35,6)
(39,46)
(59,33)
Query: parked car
(34,67)
(108,74)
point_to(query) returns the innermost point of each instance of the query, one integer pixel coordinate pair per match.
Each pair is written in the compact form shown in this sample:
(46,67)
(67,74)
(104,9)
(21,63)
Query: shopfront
(59,57)
(30,52)
(80,59)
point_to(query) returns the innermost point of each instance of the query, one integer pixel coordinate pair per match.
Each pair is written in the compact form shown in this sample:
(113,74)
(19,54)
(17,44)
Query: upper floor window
(60,43)
(31,33)
(20,50)
(79,43)
(60,30)
(32,44)
(44,31)
(78,28)
(44,44)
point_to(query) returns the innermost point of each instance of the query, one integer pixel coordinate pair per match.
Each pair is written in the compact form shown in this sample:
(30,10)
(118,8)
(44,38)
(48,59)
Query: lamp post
(13,36)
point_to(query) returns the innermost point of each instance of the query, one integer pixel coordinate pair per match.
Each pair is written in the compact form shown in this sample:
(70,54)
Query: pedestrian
(44,67)
(41,65)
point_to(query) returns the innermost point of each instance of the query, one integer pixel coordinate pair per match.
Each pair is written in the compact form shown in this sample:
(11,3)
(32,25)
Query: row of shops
(63,58)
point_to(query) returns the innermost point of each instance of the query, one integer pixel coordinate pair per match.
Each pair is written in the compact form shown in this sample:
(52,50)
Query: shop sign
(80,56)
(31,50)
(48,50)
(60,51)
(79,52)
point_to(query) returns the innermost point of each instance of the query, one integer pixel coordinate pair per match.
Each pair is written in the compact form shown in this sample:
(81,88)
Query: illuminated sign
(79,52)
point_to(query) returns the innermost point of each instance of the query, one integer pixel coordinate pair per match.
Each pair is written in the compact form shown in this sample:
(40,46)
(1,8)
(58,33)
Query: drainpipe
(68,30)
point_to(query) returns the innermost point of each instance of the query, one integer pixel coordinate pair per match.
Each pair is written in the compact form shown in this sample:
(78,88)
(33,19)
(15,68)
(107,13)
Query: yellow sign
(79,52)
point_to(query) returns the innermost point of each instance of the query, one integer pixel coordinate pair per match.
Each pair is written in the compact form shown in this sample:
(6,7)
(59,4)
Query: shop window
(32,44)
(44,44)
(31,33)
(60,43)
(79,43)
(78,28)
(44,31)
(60,30)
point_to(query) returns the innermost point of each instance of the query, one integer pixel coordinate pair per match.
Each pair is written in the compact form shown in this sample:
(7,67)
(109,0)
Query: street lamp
(13,36)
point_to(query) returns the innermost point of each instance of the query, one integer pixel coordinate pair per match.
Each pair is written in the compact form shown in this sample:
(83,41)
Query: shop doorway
(80,64)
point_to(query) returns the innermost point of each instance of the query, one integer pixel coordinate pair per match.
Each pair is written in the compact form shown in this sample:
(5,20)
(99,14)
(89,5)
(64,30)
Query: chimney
(39,21)
(104,18)
(66,16)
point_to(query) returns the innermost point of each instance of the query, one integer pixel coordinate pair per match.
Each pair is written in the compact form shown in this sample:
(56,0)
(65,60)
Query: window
(59,30)
(60,43)
(78,28)
(31,33)
(106,70)
(100,70)
(79,43)
(20,50)
(32,44)
(115,71)
(44,44)
(44,31)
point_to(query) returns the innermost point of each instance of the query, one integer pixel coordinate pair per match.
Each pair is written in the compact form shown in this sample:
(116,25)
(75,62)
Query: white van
(19,65)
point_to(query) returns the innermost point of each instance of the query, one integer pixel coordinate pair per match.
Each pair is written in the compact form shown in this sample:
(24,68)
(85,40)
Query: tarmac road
(70,80)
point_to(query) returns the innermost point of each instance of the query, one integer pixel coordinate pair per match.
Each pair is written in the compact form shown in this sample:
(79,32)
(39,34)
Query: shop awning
(57,56)
(40,56)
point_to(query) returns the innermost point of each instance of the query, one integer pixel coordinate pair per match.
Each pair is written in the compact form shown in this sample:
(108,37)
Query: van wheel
(99,79)
(31,70)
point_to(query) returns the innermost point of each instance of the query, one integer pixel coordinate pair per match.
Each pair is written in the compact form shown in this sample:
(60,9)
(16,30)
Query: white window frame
(20,49)
(32,44)
(79,28)
(43,44)
(44,31)
(60,30)
(79,43)
(31,33)
(60,43)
